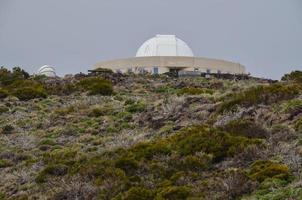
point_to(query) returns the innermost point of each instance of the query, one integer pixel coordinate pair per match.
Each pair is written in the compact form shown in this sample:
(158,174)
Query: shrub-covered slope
(143,137)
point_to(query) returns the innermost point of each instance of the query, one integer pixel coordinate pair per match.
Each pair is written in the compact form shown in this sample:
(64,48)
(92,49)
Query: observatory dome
(164,45)
(47,70)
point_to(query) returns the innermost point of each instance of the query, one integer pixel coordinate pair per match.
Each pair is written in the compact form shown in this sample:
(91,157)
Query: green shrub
(136,107)
(261,95)
(28,93)
(112,129)
(2,196)
(96,85)
(7,77)
(298,126)
(292,107)
(193,140)
(3,93)
(211,141)
(3,109)
(47,142)
(53,170)
(5,163)
(276,189)
(101,111)
(56,169)
(147,150)
(138,193)
(195,91)
(103,89)
(129,101)
(60,89)
(295,76)
(125,116)
(246,128)
(173,193)
(196,163)
(27,89)
(96,112)
(7,129)
(263,169)
(64,111)
(115,180)
(66,156)
(165,90)
(128,164)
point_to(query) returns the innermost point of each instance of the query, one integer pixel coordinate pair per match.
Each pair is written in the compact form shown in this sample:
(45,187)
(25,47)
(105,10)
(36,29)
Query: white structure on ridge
(47,70)
(164,45)
(167,53)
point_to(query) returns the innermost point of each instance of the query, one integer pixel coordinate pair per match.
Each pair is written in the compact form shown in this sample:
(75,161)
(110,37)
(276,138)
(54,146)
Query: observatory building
(167,53)
(47,71)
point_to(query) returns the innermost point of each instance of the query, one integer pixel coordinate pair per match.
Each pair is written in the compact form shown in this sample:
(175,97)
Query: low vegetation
(267,94)
(295,76)
(128,137)
(96,85)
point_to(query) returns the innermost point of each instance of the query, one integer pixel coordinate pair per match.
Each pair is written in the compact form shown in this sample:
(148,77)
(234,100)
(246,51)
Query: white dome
(47,70)
(164,45)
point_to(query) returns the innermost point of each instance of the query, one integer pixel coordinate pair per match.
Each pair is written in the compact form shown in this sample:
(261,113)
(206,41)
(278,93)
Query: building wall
(164,63)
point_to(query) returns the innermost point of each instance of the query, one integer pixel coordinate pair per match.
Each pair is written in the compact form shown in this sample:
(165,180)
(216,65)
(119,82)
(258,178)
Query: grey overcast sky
(72,35)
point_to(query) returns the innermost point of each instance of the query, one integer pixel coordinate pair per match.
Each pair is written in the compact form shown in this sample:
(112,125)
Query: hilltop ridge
(114,136)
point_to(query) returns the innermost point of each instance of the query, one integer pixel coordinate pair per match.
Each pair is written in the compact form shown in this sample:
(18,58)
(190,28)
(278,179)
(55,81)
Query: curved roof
(47,71)
(164,45)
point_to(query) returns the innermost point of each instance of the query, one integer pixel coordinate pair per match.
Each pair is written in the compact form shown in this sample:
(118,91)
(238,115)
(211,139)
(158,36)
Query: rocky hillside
(130,137)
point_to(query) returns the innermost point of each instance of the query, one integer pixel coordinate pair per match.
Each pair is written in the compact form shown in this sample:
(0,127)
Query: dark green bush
(196,163)
(293,107)
(103,89)
(150,149)
(263,169)
(7,77)
(246,128)
(298,126)
(101,111)
(195,91)
(28,93)
(56,169)
(53,170)
(211,141)
(261,95)
(166,90)
(96,85)
(138,193)
(136,107)
(60,89)
(7,129)
(5,163)
(3,109)
(3,93)
(27,89)
(295,76)
(174,193)
(129,101)
(2,196)
(96,112)
(47,142)
(128,164)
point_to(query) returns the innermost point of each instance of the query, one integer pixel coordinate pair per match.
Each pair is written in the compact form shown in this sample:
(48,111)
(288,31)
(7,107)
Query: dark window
(155,70)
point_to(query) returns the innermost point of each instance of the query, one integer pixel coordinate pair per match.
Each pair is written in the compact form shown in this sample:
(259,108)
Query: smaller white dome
(47,70)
